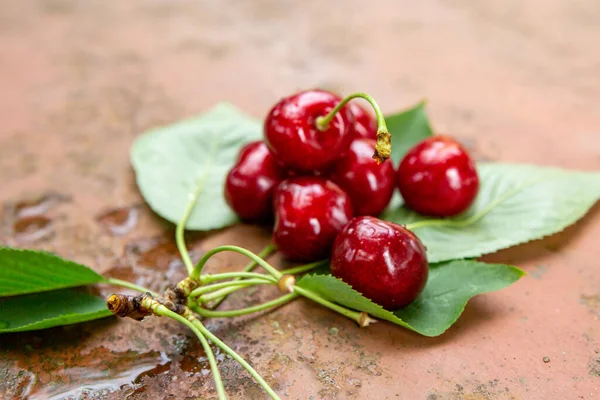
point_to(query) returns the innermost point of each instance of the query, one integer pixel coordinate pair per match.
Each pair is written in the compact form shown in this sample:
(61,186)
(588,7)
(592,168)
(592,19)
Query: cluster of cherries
(316,173)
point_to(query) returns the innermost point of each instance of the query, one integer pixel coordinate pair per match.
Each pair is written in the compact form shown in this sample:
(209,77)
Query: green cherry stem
(179,230)
(323,122)
(264,253)
(237,358)
(197,271)
(218,294)
(360,318)
(221,294)
(164,311)
(383,148)
(211,288)
(244,311)
(304,268)
(209,278)
(129,285)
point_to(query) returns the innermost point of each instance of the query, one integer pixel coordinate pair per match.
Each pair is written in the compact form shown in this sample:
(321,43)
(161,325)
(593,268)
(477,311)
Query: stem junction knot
(286,283)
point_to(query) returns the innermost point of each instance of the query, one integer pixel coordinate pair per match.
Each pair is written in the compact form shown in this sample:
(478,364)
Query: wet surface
(515,81)
(31,220)
(32,229)
(153,263)
(119,221)
(57,366)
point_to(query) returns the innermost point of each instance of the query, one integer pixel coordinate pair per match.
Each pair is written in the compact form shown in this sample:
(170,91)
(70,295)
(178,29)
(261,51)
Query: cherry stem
(210,278)
(211,288)
(383,147)
(179,230)
(353,315)
(129,285)
(244,311)
(218,294)
(237,358)
(164,311)
(195,274)
(221,294)
(304,268)
(264,253)
(322,122)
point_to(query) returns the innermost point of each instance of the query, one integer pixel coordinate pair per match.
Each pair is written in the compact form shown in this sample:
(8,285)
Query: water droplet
(119,221)
(39,206)
(192,365)
(101,370)
(157,370)
(32,229)
(31,220)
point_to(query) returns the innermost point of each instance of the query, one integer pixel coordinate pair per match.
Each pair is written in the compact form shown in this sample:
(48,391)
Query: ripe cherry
(309,213)
(251,183)
(292,134)
(382,260)
(369,185)
(437,177)
(365,125)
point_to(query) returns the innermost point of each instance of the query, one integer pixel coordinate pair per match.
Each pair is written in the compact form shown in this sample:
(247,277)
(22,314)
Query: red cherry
(365,125)
(383,261)
(369,185)
(251,183)
(291,133)
(437,177)
(309,213)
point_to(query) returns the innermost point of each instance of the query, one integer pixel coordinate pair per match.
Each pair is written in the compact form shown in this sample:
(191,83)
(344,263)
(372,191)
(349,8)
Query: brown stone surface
(516,81)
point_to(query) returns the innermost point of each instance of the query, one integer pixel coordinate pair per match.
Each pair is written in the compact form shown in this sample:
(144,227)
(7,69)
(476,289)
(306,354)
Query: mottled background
(514,80)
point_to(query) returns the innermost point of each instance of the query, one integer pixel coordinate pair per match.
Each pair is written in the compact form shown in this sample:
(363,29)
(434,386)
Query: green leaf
(45,310)
(449,287)
(30,271)
(407,129)
(170,162)
(515,204)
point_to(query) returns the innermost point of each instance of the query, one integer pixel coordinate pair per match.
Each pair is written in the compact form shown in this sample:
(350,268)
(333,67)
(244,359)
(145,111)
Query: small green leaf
(45,310)
(30,271)
(449,286)
(407,129)
(515,204)
(170,162)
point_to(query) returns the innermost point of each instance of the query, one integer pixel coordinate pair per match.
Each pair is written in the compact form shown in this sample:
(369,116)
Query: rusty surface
(515,81)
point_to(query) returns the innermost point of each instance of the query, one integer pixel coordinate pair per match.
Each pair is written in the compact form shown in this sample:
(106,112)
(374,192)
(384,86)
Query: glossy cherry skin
(291,133)
(309,213)
(437,177)
(365,125)
(383,261)
(251,183)
(369,185)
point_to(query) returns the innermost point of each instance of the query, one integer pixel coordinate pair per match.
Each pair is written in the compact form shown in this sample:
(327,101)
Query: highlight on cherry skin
(309,213)
(437,177)
(384,261)
(250,184)
(369,185)
(293,136)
